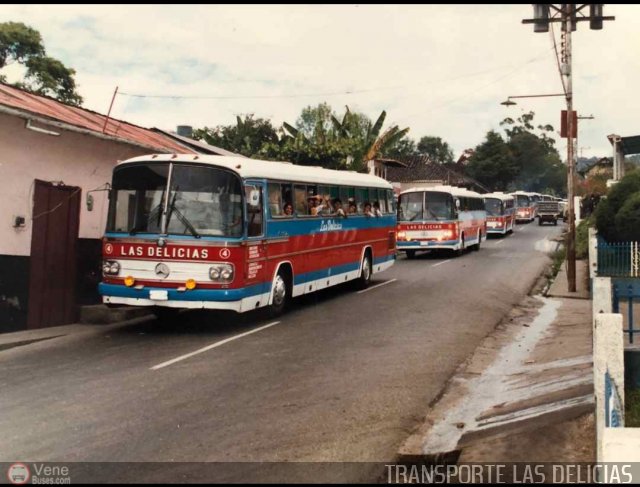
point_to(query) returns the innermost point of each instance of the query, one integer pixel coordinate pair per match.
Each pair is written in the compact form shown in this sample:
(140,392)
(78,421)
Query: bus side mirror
(457,204)
(254,197)
(89,202)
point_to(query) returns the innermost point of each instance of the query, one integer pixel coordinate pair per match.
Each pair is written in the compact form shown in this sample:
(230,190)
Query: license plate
(159,295)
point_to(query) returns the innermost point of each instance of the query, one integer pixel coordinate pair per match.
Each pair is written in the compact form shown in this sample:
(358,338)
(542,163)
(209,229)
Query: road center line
(377,285)
(440,263)
(213,345)
(499,242)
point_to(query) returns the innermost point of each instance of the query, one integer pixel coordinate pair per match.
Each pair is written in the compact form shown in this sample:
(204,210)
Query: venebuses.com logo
(18,474)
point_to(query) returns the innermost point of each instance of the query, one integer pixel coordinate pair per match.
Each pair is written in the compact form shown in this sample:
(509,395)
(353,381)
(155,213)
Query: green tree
(492,163)
(539,167)
(402,149)
(628,219)
(618,215)
(246,137)
(436,149)
(44,75)
(348,142)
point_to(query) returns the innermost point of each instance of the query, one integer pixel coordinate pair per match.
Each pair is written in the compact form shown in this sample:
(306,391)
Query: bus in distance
(500,209)
(440,217)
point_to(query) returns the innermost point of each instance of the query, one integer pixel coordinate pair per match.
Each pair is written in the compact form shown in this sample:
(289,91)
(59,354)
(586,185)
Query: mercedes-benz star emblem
(162,270)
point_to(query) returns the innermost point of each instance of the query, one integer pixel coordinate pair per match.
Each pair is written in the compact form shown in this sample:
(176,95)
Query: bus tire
(460,251)
(281,293)
(476,247)
(367,270)
(411,254)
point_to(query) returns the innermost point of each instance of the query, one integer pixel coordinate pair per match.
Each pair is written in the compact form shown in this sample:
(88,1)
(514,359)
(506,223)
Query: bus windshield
(202,200)
(522,201)
(435,206)
(493,206)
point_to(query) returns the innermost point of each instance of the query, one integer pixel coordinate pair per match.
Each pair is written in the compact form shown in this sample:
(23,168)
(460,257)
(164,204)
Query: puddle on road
(546,245)
(492,386)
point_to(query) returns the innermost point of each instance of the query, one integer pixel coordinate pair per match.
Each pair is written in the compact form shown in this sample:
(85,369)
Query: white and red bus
(440,217)
(501,212)
(525,206)
(232,233)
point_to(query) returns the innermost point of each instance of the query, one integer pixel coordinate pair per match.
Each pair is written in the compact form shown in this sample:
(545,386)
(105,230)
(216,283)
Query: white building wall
(77,159)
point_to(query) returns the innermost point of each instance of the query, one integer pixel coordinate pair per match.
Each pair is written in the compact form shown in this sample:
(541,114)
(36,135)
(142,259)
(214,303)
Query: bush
(582,238)
(611,227)
(628,219)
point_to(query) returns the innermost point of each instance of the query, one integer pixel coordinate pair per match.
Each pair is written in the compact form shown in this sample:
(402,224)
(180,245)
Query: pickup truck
(548,212)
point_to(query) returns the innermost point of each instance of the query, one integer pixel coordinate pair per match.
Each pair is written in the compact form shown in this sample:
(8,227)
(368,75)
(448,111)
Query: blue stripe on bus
(193,295)
(413,243)
(122,291)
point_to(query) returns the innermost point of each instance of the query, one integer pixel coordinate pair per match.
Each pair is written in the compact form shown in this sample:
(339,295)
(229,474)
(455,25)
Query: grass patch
(632,408)
(558,258)
(582,238)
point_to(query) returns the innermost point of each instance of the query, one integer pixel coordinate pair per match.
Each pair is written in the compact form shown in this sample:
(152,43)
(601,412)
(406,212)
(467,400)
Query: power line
(466,95)
(306,95)
(555,48)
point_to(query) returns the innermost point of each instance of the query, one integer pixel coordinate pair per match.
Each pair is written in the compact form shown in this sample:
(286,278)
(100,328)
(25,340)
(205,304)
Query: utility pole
(567,14)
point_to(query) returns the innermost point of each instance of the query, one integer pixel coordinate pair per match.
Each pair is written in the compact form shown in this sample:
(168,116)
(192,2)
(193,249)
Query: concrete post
(608,356)
(602,296)
(593,253)
(577,209)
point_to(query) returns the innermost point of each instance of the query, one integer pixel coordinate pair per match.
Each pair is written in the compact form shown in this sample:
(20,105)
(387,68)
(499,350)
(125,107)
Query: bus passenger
(353,208)
(313,205)
(337,208)
(367,209)
(376,209)
(288,209)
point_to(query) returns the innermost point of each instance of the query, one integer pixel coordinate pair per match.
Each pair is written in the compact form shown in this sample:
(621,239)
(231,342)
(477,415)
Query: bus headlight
(221,272)
(402,235)
(111,267)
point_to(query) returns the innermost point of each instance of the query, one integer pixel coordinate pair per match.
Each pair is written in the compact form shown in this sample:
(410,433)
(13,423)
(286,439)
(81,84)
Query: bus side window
(276,203)
(362,196)
(343,194)
(254,211)
(301,207)
(287,196)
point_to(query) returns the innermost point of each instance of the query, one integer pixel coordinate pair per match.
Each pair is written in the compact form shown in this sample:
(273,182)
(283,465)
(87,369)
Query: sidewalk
(526,394)
(90,316)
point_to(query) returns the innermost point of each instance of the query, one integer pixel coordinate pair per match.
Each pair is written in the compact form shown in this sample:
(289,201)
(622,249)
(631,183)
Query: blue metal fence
(618,259)
(627,291)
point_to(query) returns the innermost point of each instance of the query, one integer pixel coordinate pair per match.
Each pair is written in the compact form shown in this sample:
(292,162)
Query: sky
(441,70)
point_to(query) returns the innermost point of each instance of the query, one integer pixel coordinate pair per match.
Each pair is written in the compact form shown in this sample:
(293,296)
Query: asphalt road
(344,376)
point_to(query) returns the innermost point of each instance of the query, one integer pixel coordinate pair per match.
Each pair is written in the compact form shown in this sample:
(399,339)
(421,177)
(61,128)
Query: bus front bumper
(239,300)
(428,244)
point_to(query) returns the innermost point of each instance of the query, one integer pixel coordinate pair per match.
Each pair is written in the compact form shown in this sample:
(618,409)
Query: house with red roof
(55,165)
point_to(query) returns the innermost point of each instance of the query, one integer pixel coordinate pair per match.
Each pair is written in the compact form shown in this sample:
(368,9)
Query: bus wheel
(460,251)
(476,247)
(411,254)
(280,295)
(365,274)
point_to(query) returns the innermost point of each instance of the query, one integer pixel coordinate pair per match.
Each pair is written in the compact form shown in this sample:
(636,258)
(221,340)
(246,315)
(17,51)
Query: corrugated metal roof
(421,168)
(49,108)
(199,145)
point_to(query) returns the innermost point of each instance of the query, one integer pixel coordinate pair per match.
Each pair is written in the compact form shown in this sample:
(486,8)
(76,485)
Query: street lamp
(508,101)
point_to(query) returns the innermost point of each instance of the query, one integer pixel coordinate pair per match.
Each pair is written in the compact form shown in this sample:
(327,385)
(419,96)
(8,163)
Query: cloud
(440,69)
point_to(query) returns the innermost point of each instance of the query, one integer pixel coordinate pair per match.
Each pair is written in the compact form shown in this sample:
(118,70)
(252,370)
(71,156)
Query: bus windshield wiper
(183,219)
(432,213)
